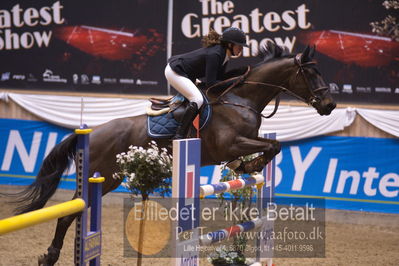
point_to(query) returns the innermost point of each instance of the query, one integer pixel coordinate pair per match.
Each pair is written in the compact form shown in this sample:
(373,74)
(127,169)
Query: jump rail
(187,191)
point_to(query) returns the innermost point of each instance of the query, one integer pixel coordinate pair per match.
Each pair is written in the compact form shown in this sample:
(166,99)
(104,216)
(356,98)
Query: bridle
(312,100)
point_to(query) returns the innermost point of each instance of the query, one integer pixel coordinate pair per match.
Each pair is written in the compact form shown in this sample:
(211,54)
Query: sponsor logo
(84,79)
(96,80)
(146,82)
(347,88)
(18,77)
(31,78)
(383,90)
(363,89)
(110,80)
(48,76)
(397,90)
(126,81)
(334,88)
(75,79)
(5,76)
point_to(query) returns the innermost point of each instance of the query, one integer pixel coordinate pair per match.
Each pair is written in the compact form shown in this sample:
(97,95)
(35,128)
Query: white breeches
(184,85)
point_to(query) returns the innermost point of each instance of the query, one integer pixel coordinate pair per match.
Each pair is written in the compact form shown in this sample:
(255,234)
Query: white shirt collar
(226,58)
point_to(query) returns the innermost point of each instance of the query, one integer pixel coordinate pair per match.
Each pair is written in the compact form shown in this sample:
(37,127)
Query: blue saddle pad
(165,125)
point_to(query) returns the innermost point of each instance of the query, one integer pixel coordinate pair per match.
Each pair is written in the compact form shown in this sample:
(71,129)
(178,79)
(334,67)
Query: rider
(208,62)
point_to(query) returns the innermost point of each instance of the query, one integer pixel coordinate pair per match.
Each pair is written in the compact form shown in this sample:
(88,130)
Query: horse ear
(312,51)
(305,54)
(271,48)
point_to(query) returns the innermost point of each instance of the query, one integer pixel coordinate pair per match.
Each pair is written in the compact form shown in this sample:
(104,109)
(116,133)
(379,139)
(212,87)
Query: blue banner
(352,173)
(23,146)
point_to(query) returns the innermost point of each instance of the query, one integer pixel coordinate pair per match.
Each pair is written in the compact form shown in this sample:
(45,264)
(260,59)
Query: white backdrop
(290,123)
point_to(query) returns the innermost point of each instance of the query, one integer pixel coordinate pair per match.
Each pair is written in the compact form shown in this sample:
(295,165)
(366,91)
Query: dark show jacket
(205,63)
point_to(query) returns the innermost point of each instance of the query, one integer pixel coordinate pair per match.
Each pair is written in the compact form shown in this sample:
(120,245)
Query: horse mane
(268,53)
(271,51)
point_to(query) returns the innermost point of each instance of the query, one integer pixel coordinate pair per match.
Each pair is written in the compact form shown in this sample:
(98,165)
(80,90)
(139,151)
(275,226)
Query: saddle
(164,115)
(161,106)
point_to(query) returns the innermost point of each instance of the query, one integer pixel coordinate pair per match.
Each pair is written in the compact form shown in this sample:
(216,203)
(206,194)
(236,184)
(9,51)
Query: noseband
(313,99)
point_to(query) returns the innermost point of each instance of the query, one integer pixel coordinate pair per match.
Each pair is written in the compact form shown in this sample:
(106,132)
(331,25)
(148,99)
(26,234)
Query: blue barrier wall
(352,173)
(23,146)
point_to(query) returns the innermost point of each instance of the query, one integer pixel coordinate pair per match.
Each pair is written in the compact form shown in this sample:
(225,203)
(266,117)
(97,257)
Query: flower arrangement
(223,257)
(145,170)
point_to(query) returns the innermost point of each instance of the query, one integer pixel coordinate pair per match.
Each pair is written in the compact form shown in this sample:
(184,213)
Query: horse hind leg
(53,252)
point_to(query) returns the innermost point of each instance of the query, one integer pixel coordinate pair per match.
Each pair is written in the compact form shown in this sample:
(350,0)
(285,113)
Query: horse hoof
(41,260)
(50,258)
(233,165)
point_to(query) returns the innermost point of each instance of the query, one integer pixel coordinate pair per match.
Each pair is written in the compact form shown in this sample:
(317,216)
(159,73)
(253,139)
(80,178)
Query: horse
(231,132)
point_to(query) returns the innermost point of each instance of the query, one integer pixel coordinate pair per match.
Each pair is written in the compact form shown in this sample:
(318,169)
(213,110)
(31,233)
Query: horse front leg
(268,147)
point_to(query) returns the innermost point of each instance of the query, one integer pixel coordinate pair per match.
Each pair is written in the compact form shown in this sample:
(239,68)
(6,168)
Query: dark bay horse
(232,131)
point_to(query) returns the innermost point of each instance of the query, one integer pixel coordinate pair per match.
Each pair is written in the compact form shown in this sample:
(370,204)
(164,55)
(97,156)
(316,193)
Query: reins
(238,80)
(241,79)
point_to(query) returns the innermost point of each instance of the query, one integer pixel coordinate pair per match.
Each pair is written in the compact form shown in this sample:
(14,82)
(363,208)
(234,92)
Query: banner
(23,146)
(84,46)
(351,173)
(120,47)
(358,65)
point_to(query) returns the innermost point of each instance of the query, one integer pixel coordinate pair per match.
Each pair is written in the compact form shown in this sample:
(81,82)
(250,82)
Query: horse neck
(258,95)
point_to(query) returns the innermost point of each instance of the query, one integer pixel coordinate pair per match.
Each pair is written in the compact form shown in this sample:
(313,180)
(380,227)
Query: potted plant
(144,171)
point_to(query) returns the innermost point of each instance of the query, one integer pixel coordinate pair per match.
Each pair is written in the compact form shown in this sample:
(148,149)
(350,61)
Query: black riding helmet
(234,35)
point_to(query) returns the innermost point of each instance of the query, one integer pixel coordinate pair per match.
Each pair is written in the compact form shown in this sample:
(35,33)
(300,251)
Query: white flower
(125,185)
(138,163)
(233,255)
(223,254)
(132,176)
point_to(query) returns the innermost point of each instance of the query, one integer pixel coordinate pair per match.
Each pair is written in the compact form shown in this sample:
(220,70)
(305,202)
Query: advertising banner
(84,46)
(23,146)
(351,173)
(358,65)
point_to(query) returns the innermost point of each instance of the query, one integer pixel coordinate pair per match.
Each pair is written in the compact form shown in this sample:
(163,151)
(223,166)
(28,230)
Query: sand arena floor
(352,238)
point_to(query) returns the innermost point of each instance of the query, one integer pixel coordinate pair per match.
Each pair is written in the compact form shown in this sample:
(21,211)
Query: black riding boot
(188,117)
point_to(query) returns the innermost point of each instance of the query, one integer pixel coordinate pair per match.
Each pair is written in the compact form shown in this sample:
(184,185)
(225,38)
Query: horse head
(296,75)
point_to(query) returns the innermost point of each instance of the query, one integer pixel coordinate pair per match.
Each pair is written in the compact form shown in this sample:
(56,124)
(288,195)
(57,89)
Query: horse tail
(40,191)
